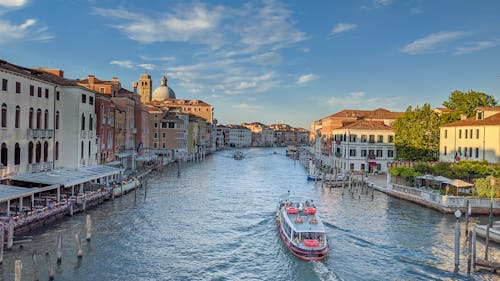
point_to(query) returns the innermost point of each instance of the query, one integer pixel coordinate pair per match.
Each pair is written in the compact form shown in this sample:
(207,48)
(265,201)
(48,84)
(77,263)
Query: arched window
(17,154)
(4,115)
(89,149)
(81,151)
(38,152)
(30,152)
(16,121)
(30,119)
(45,151)
(83,121)
(90,122)
(102,114)
(57,150)
(38,118)
(57,120)
(46,125)
(3,152)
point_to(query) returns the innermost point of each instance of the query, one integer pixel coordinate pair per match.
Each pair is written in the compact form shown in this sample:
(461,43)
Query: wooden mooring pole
(487,241)
(36,273)
(18,268)
(89,227)
(51,268)
(79,252)
(2,239)
(474,249)
(59,248)
(10,235)
(457,242)
(469,253)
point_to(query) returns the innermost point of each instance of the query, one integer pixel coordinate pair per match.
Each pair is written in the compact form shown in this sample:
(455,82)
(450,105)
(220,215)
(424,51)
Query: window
(362,167)
(479,116)
(390,153)
(46,93)
(156,125)
(155,145)
(363,153)
(38,118)
(16,120)
(30,119)
(363,138)
(18,87)
(4,84)
(38,152)
(39,92)
(477,152)
(352,152)
(46,125)
(17,154)
(156,135)
(466,133)
(391,139)
(351,166)
(84,98)
(379,152)
(460,133)
(380,138)
(371,154)
(445,150)
(372,138)
(352,138)
(90,122)
(45,151)
(4,115)
(30,152)
(470,152)
(57,150)
(83,121)
(91,100)
(477,133)
(32,90)
(57,95)
(81,151)
(163,145)
(171,125)
(90,149)
(445,134)
(3,153)
(101,90)
(164,135)
(57,120)
(470,134)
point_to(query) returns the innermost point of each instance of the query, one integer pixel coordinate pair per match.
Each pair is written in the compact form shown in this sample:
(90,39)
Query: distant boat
(301,228)
(238,155)
(291,150)
(312,175)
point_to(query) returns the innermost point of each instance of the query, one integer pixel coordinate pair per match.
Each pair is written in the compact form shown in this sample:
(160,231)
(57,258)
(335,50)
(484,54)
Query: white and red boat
(301,228)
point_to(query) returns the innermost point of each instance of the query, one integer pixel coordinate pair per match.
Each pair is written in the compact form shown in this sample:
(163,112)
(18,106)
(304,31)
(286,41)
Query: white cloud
(267,58)
(305,78)
(360,100)
(147,66)
(13,3)
(429,43)
(27,31)
(475,47)
(148,58)
(245,106)
(342,27)
(246,85)
(123,63)
(383,2)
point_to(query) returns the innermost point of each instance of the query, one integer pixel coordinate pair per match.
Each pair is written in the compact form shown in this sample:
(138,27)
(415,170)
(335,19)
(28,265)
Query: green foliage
(466,103)
(417,134)
(485,189)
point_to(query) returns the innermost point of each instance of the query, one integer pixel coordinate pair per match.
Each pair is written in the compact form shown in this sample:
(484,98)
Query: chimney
(115,80)
(134,85)
(91,79)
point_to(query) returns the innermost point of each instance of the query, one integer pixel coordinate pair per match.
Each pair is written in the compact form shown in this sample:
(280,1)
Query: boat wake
(324,273)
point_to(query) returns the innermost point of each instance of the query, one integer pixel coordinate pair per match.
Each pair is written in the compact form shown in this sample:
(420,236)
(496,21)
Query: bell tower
(145,88)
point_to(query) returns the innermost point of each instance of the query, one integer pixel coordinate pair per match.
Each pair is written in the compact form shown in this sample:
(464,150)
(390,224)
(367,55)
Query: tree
(417,134)
(466,103)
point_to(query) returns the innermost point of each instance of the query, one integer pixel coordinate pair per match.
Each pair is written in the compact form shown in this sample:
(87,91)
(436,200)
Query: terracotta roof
(123,91)
(379,113)
(37,74)
(492,120)
(491,108)
(96,81)
(367,125)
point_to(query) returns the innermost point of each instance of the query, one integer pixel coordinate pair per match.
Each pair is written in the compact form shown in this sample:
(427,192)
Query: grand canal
(216,222)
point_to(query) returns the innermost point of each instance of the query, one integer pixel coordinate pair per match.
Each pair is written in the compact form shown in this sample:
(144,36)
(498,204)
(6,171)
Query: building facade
(239,136)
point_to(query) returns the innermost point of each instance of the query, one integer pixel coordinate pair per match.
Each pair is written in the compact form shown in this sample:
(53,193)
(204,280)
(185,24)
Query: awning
(11,192)
(123,154)
(69,177)
(461,184)
(372,164)
(113,163)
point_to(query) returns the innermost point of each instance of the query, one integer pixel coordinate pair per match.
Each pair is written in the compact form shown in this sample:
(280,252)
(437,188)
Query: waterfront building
(239,136)
(363,146)
(105,112)
(262,135)
(168,133)
(222,140)
(476,138)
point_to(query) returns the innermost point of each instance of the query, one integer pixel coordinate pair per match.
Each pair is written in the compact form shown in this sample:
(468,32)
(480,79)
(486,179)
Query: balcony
(90,134)
(83,134)
(39,167)
(40,133)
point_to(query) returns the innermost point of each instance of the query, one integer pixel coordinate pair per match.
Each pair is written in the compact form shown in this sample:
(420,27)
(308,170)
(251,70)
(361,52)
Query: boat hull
(305,254)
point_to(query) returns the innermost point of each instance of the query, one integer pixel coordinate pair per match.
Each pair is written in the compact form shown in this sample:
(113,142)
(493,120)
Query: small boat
(238,155)
(312,175)
(301,228)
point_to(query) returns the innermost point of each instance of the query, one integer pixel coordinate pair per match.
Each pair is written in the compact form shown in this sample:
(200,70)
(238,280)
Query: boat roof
(306,225)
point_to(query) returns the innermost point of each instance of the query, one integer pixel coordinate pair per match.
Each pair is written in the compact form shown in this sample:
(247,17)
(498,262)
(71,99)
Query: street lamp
(493,182)
(458,214)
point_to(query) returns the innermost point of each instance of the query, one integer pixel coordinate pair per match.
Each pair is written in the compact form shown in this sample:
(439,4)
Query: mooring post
(469,253)
(145,190)
(36,274)
(18,268)
(458,214)
(52,271)
(59,248)
(474,249)
(2,240)
(89,227)
(79,252)
(467,219)
(10,235)
(178,167)
(71,209)
(84,204)
(487,241)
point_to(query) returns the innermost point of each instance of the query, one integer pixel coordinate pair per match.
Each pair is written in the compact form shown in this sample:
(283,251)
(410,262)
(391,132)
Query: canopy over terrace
(68,177)
(10,192)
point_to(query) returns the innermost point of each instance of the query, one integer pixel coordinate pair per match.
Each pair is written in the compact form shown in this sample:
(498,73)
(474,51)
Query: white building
(363,146)
(239,136)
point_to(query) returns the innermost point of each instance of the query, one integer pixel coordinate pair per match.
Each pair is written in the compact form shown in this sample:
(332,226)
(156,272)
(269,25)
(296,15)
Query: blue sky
(268,61)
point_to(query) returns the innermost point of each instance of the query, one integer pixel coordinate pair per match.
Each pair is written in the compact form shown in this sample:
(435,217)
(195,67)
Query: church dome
(163,91)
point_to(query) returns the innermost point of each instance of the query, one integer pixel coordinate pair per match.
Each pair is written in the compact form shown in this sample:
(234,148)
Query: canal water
(216,222)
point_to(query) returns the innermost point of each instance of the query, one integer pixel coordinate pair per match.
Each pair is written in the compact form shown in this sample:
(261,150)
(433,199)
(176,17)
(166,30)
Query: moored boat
(301,228)
(238,155)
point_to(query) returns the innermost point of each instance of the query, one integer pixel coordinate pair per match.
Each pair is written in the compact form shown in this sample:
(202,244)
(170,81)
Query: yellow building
(476,138)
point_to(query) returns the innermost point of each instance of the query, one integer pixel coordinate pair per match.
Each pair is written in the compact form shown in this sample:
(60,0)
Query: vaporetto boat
(301,228)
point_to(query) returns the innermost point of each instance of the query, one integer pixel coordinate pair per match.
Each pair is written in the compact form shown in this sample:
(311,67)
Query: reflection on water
(216,222)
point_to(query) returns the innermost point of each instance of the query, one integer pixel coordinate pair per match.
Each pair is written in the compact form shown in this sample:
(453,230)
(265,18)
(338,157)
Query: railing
(40,133)
(83,134)
(90,134)
(39,167)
